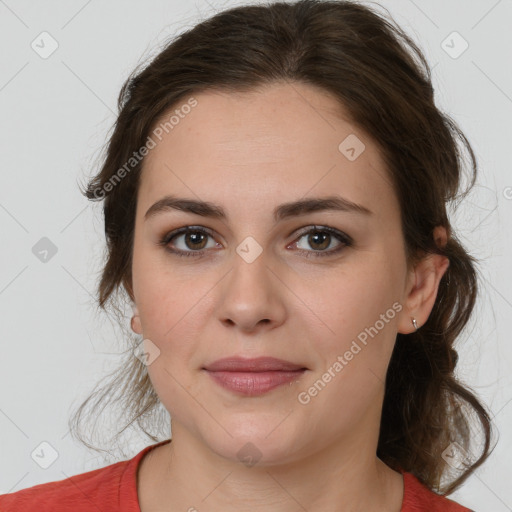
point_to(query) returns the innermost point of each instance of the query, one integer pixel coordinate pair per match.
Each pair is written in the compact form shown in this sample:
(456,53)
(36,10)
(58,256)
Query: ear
(135,322)
(422,285)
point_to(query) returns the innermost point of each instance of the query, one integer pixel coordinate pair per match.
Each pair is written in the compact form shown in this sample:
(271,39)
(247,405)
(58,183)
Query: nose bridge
(250,270)
(251,291)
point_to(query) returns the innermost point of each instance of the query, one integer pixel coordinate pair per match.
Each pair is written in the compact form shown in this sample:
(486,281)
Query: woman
(275,195)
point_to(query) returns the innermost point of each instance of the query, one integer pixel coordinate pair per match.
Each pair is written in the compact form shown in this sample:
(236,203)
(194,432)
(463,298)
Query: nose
(252,296)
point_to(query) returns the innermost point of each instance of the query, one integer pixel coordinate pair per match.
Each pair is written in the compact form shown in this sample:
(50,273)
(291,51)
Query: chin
(258,448)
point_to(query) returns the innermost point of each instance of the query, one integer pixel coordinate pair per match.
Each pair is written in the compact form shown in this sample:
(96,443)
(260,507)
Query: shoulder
(78,493)
(419,498)
(111,488)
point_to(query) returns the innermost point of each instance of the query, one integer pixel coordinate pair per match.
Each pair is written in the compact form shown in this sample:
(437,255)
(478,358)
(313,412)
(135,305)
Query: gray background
(56,113)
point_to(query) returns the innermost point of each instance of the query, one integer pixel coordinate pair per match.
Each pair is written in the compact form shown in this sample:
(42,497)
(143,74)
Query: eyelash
(342,237)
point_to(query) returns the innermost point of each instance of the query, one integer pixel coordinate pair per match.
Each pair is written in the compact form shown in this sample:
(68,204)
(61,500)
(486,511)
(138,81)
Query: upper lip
(259,364)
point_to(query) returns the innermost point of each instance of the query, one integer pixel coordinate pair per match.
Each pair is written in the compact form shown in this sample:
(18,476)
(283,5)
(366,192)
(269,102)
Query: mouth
(252,377)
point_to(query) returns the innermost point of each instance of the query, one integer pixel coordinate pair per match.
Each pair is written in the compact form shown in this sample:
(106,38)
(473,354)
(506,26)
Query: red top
(114,489)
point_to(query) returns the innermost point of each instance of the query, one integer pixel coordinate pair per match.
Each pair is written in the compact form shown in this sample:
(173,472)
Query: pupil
(195,237)
(325,237)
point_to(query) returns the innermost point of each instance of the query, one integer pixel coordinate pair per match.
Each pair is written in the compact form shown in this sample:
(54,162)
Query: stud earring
(414,323)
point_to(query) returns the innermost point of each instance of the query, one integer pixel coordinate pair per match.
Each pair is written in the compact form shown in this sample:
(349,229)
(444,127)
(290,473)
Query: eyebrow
(283,211)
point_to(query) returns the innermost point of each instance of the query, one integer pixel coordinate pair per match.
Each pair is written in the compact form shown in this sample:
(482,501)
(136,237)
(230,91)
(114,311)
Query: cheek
(165,291)
(354,340)
(174,303)
(343,302)
(349,382)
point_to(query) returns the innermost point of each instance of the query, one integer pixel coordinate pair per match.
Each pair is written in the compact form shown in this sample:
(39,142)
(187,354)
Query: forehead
(252,150)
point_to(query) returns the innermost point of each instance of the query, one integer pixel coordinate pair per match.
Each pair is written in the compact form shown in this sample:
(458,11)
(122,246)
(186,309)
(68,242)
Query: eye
(194,241)
(193,238)
(320,237)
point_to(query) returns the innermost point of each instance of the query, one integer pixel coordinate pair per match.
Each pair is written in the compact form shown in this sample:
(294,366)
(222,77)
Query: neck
(345,477)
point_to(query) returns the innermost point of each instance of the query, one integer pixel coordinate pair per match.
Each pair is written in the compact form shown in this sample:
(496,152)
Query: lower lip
(254,383)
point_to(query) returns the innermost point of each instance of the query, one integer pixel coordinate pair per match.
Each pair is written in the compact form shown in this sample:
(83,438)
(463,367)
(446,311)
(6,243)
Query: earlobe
(135,321)
(425,279)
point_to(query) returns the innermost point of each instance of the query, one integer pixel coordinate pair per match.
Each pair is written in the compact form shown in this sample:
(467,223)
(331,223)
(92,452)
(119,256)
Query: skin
(250,152)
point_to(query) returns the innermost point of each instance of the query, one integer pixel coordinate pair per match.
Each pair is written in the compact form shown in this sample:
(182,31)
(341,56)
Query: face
(323,289)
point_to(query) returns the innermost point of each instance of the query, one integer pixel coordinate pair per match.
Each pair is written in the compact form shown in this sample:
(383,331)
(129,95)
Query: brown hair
(383,80)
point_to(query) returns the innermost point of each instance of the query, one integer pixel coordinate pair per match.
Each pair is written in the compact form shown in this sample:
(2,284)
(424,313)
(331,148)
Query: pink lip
(253,376)
(254,383)
(259,364)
